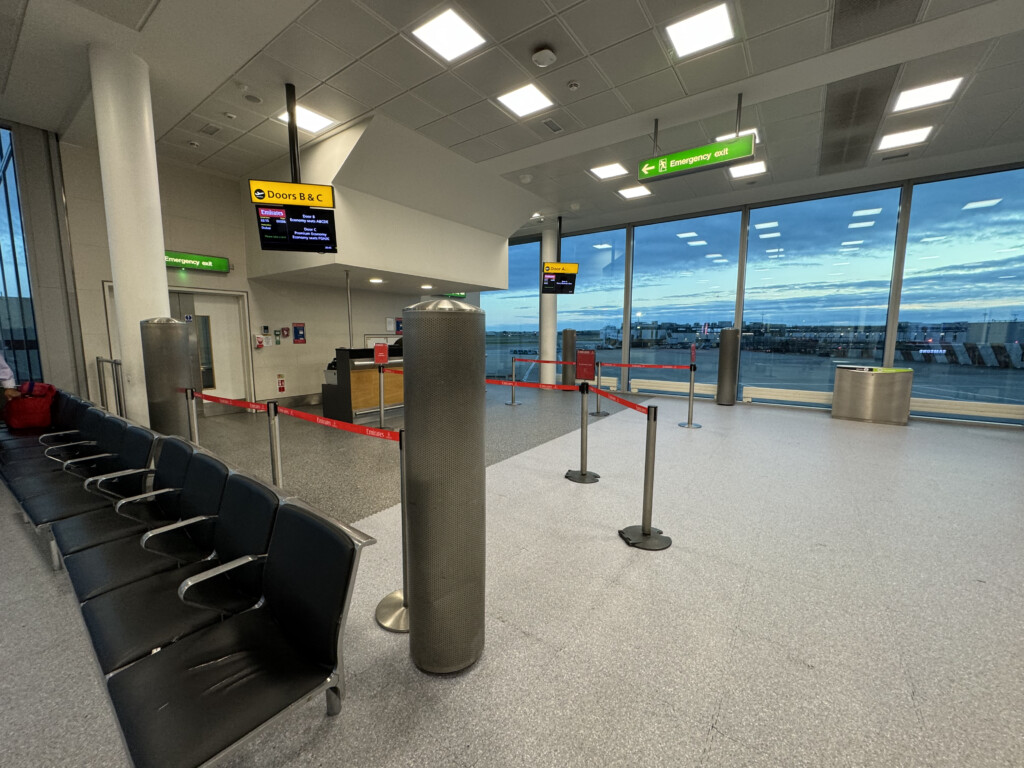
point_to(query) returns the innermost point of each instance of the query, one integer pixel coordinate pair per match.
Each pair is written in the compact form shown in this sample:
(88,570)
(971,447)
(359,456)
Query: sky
(822,262)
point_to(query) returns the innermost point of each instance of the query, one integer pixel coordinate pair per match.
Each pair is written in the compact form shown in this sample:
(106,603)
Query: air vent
(896,157)
(552,126)
(210,129)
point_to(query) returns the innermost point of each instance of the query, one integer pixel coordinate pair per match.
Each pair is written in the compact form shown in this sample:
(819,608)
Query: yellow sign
(283,193)
(560,268)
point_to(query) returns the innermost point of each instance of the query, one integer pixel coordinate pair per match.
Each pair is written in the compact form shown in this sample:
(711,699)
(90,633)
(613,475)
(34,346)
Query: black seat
(115,563)
(60,420)
(149,509)
(127,623)
(194,699)
(21,462)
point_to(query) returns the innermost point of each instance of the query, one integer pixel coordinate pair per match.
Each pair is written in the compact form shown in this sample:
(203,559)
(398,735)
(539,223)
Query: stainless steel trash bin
(165,357)
(728,366)
(869,393)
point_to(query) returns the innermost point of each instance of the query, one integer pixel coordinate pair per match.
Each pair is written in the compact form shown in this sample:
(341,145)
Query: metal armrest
(93,457)
(98,480)
(61,447)
(213,573)
(172,527)
(65,433)
(141,497)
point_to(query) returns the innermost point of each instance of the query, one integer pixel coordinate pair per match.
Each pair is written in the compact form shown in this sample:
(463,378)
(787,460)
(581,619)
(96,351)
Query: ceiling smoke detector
(573,85)
(544,57)
(253,98)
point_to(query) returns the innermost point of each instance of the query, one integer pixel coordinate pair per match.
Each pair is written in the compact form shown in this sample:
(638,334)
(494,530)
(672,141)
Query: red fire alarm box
(586,361)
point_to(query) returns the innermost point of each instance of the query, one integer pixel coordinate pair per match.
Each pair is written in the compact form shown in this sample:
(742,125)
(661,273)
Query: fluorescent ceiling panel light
(982,204)
(526,100)
(426,287)
(904,138)
(701,31)
(687,234)
(852,242)
(603,245)
(449,35)
(848,250)
(698,242)
(747,132)
(631,193)
(773,250)
(721,261)
(767,225)
(767,235)
(609,171)
(868,212)
(859,224)
(308,120)
(932,239)
(712,255)
(376,280)
(748,169)
(935,93)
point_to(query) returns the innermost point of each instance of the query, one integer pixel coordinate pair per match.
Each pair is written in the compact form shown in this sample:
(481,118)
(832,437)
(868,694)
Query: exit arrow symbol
(647,168)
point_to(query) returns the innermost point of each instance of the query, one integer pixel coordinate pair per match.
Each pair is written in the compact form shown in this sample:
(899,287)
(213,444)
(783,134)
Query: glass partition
(962,307)
(816,291)
(684,292)
(513,314)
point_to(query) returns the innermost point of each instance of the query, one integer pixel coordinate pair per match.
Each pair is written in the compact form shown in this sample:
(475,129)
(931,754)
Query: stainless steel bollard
(380,417)
(392,611)
(193,416)
(581,475)
(102,381)
(275,443)
(689,414)
(643,536)
(118,373)
(598,410)
(513,400)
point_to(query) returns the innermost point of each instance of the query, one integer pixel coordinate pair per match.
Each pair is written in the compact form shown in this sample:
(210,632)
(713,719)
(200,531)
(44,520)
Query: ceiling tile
(599,109)
(410,111)
(346,25)
(725,122)
(759,17)
(600,23)
(446,132)
(178,153)
(792,105)
(960,62)
(995,80)
(402,62)
(447,93)
(333,104)
(401,13)
(586,76)
(973,121)
(183,140)
(551,34)
(710,183)
(681,137)
(365,85)
(504,19)
(214,109)
(492,73)
(483,117)
(264,78)
(261,148)
(805,125)
(1011,131)
(790,44)
(1009,48)
(129,13)
(232,161)
(857,20)
(721,67)
(513,137)
(667,11)
(652,91)
(633,58)
(477,149)
(272,131)
(222,135)
(808,144)
(304,50)
(561,5)
(937,8)
(562,119)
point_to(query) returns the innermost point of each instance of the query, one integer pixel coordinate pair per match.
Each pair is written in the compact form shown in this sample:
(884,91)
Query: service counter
(358,384)
(878,395)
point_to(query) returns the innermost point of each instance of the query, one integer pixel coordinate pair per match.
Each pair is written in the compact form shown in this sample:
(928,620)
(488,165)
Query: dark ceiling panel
(856,20)
(854,108)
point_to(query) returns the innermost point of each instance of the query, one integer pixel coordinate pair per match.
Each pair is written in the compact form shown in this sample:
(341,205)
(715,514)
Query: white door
(224,360)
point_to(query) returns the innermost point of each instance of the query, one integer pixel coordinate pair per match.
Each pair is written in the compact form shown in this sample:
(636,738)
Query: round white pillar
(548,308)
(131,199)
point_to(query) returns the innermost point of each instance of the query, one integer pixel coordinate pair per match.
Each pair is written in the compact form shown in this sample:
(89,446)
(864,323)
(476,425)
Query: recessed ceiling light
(904,138)
(701,31)
(848,250)
(927,94)
(757,136)
(609,171)
(852,242)
(712,255)
(933,239)
(859,224)
(773,250)
(767,225)
(687,234)
(633,192)
(426,287)
(868,212)
(526,100)
(308,120)
(449,35)
(766,235)
(376,280)
(698,242)
(982,204)
(721,261)
(603,245)
(748,169)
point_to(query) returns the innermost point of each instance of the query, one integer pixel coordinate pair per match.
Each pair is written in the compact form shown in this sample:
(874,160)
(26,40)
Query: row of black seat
(213,603)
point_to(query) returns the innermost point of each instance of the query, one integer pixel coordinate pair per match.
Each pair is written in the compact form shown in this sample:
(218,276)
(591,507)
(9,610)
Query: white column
(548,308)
(131,199)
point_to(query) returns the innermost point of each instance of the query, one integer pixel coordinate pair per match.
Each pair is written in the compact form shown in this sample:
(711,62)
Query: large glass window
(684,292)
(817,289)
(513,314)
(962,308)
(17,321)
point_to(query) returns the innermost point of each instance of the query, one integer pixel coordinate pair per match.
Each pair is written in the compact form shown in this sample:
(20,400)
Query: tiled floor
(837,594)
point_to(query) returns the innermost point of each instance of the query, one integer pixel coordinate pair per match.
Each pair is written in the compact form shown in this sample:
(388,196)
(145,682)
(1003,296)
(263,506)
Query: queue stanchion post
(693,378)
(193,416)
(380,416)
(275,443)
(644,536)
(581,475)
(392,611)
(513,400)
(598,410)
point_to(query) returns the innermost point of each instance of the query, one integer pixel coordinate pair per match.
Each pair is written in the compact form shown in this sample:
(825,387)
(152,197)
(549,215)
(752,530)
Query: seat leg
(25,516)
(334,701)
(55,560)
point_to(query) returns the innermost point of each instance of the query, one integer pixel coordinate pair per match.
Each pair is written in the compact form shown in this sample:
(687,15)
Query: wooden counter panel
(366,389)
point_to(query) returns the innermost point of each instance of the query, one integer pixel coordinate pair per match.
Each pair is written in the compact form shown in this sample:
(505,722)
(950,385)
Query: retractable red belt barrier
(399,371)
(645,365)
(383,434)
(548,362)
(532,385)
(235,403)
(622,401)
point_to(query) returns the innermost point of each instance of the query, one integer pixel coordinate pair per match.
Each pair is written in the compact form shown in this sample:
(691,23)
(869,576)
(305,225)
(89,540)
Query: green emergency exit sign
(178,260)
(698,159)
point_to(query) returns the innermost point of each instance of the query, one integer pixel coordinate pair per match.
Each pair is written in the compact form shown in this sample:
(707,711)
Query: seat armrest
(164,530)
(67,433)
(98,480)
(193,582)
(80,459)
(80,443)
(119,507)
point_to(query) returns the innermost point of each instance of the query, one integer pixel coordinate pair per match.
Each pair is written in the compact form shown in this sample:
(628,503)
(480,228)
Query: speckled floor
(837,594)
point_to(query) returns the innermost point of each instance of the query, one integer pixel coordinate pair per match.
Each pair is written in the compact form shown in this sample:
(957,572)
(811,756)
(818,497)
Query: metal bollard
(513,400)
(380,375)
(689,416)
(581,475)
(118,374)
(275,443)
(644,536)
(102,380)
(193,416)
(598,411)
(393,610)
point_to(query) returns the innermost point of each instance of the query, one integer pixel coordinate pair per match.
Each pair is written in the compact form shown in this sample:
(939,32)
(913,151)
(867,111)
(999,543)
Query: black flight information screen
(296,228)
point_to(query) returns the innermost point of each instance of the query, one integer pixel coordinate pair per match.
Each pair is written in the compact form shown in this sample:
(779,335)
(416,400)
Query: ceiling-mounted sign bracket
(657,149)
(739,111)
